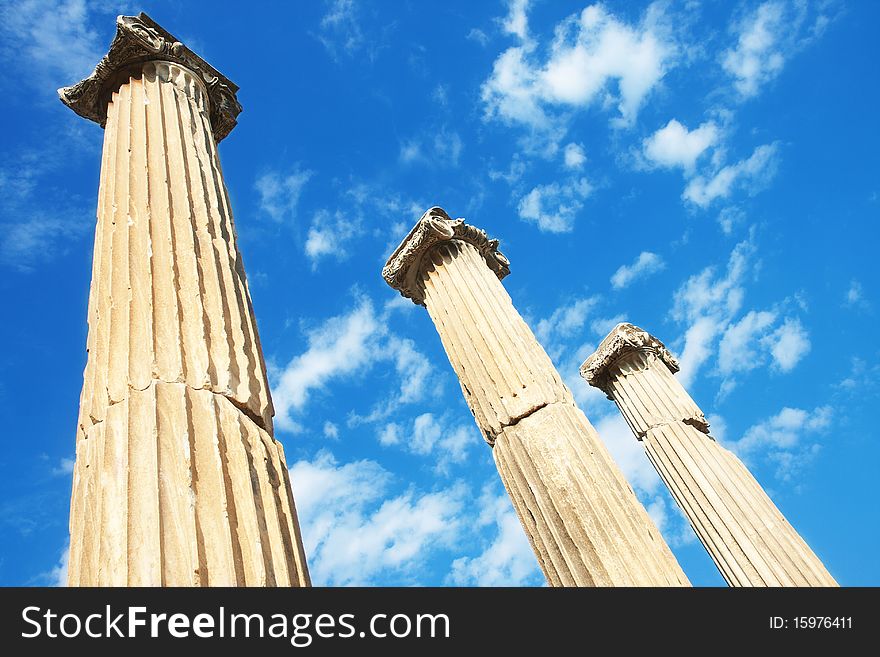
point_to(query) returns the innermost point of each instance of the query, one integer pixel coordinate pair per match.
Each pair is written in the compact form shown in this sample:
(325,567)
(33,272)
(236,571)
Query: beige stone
(749,539)
(178,480)
(582,518)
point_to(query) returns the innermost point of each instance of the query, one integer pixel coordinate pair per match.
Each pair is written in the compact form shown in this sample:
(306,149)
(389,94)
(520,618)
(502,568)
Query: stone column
(178,480)
(749,539)
(582,518)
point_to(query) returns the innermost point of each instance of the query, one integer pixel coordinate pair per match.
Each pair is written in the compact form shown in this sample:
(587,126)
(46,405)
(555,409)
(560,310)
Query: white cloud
(516,21)
(855,296)
(782,438)
(554,207)
(508,559)
(767,37)
(729,217)
(24,244)
(329,234)
(331,430)
(444,149)
(476,34)
(565,321)
(752,174)
(411,151)
(450,443)
(705,294)
(64,467)
(53,39)
(428,435)
(603,325)
(355,532)
(574,156)
(757,57)
(58,575)
(280,193)
(594,57)
(789,344)
(675,146)
(628,453)
(646,264)
(738,350)
(390,434)
(341,31)
(448,147)
(412,367)
(710,304)
(341,345)
(707,303)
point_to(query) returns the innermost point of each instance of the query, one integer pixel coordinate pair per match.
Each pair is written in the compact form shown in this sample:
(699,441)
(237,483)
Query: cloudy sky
(706,170)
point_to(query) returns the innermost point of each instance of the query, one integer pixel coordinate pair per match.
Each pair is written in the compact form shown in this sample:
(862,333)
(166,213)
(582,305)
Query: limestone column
(583,520)
(749,539)
(178,480)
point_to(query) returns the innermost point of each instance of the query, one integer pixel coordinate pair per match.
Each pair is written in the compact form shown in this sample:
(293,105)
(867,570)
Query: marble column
(178,480)
(749,539)
(582,518)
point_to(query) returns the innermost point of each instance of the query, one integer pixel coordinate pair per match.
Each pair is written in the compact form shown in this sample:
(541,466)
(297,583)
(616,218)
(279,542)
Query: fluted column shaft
(746,535)
(178,480)
(582,518)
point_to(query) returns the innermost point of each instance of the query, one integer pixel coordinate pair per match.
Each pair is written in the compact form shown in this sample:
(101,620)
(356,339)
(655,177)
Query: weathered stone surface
(178,480)
(583,520)
(749,539)
(178,487)
(140,39)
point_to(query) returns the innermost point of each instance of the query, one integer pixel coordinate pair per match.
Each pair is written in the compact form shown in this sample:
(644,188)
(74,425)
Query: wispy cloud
(442,149)
(329,235)
(854,297)
(354,531)
(574,156)
(752,174)
(507,559)
(340,28)
(355,341)
(429,435)
(710,305)
(644,265)
(785,439)
(555,207)
(768,36)
(53,40)
(594,58)
(280,192)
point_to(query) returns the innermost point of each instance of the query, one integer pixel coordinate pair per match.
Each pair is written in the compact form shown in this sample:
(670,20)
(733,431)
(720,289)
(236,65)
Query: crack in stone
(522,416)
(253,417)
(695,422)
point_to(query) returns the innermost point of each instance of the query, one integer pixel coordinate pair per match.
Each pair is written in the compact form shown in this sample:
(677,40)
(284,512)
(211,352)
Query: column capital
(140,39)
(402,271)
(624,338)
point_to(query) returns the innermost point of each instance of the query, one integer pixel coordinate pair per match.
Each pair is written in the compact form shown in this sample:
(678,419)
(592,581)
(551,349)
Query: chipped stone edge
(623,339)
(435,226)
(140,39)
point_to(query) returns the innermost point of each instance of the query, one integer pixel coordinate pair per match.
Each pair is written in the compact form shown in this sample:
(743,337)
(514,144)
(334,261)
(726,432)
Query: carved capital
(403,270)
(140,39)
(623,339)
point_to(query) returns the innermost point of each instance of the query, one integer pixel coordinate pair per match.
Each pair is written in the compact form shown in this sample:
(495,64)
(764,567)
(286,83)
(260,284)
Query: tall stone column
(178,480)
(749,539)
(582,518)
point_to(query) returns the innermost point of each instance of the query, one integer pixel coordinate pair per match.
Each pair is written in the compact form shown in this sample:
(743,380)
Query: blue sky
(706,170)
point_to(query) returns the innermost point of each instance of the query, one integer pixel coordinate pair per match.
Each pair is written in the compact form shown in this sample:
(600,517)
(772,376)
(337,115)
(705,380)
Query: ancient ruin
(582,518)
(178,480)
(749,539)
